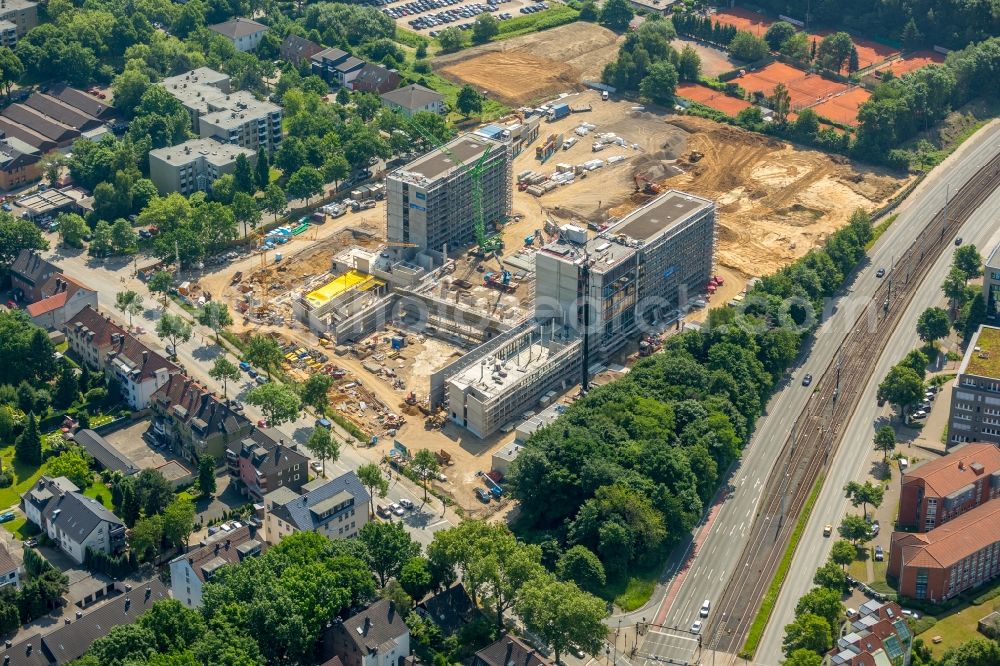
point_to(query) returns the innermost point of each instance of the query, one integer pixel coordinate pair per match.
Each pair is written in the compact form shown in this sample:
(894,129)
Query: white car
(396,509)
(696,627)
(316,466)
(406,504)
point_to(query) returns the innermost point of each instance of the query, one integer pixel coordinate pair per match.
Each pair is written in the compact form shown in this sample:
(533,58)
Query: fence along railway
(817,431)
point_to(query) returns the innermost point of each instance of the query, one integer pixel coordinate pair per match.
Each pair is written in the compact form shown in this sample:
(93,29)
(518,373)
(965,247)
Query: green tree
(395,593)
(968,261)
(225,371)
(853,63)
(52,164)
(305,183)
(451,39)
(146,537)
(580,565)
(175,329)
(781,103)
(469,101)
(128,302)
(343,97)
(902,387)
(10,617)
(911,36)
(28,445)
(825,603)
(616,15)
(660,83)
(807,632)
(17,235)
(374,481)
(426,466)
(264,352)
(778,33)
(933,324)
(797,47)
(72,229)
(863,494)
(128,88)
(324,446)
(389,547)
(153,491)
(67,387)
(100,242)
(215,315)
(954,288)
(834,51)
(178,521)
(747,46)
(262,170)
(72,464)
(274,201)
(315,390)
(831,576)
(842,552)
(972,316)
(588,11)
(243,176)
(206,475)
(688,64)
(885,441)
(563,615)
(415,577)
(123,237)
(975,652)
(854,529)
(160,283)
(484,28)
(279,403)
(11,69)
(246,211)
(335,169)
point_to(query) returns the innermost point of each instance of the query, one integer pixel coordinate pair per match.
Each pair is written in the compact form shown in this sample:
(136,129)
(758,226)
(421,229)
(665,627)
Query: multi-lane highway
(716,559)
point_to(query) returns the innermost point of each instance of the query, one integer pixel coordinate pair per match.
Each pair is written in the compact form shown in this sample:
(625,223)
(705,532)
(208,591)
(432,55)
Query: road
(853,456)
(197,355)
(718,544)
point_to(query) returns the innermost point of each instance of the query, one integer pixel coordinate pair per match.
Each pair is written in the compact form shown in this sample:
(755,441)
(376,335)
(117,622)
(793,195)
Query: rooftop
(220,549)
(953,541)
(305,512)
(960,468)
(438,163)
(101,449)
(235,109)
(982,358)
(341,284)
(413,96)
(511,651)
(379,624)
(237,27)
(212,151)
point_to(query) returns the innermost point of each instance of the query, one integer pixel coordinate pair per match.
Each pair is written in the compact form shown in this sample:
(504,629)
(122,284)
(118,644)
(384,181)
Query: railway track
(817,432)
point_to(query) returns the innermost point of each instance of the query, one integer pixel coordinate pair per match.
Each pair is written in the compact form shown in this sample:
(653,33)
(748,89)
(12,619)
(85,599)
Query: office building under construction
(430,201)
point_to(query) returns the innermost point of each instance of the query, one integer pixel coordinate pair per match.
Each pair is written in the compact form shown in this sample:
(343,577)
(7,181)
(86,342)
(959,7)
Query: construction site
(447,314)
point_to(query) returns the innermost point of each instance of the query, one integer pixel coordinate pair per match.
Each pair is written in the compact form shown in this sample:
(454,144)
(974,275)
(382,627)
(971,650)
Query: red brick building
(940,490)
(875,635)
(960,555)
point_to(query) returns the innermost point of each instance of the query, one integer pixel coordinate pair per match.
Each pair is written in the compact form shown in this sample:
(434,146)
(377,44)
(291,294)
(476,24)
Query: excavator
(645,185)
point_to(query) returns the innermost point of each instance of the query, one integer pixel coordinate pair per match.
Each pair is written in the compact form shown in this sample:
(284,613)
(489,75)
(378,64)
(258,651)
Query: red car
(12,305)
(262,423)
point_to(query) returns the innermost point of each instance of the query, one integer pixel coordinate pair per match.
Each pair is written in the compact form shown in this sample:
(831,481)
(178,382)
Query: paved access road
(719,545)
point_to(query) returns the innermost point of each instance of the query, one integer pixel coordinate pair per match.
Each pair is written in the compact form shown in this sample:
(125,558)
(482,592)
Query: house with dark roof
(40,123)
(297,49)
(375,79)
(510,651)
(85,102)
(243,33)
(71,640)
(189,572)
(106,455)
(60,298)
(324,62)
(413,98)
(263,462)
(73,521)
(67,114)
(875,635)
(28,273)
(377,636)
(19,163)
(195,421)
(336,508)
(450,610)
(10,570)
(345,72)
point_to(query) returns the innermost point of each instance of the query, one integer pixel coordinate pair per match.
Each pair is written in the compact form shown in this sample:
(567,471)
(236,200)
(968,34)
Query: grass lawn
(858,569)
(633,592)
(879,583)
(98,491)
(24,477)
(21,528)
(958,628)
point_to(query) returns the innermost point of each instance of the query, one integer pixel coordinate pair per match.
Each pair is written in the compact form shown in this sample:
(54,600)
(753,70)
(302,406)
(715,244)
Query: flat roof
(658,215)
(983,355)
(468,148)
(352,279)
(214,152)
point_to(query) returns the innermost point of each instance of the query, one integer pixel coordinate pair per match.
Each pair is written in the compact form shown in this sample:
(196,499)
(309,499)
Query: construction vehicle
(499,281)
(411,398)
(645,185)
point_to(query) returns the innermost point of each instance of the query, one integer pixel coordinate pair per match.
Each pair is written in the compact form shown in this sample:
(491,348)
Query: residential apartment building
(73,521)
(876,635)
(975,396)
(377,636)
(948,560)
(642,269)
(376,79)
(194,165)
(336,508)
(940,490)
(10,571)
(190,572)
(8,34)
(262,462)
(510,651)
(244,34)
(22,13)
(991,286)
(336,66)
(429,202)
(231,117)
(413,98)
(194,422)
(297,49)
(19,163)
(28,274)
(108,348)
(61,298)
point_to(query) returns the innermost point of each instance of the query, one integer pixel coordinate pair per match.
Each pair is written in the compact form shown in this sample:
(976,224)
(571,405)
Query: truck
(558,111)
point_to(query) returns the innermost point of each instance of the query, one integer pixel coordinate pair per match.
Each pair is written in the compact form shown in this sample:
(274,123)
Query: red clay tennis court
(804,89)
(744,19)
(843,108)
(869,52)
(712,98)
(913,62)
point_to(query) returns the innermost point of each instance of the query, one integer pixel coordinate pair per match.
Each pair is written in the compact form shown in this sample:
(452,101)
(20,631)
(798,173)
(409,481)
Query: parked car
(483,496)
(382,512)
(6,516)
(260,379)
(316,466)
(874,528)
(6,206)
(913,615)
(406,504)
(879,554)
(396,509)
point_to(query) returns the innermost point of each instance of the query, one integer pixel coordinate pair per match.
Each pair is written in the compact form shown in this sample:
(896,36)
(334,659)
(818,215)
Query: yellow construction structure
(351,280)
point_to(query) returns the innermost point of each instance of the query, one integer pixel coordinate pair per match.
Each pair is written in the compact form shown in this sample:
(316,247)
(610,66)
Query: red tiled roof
(954,471)
(101,325)
(141,356)
(953,541)
(48,304)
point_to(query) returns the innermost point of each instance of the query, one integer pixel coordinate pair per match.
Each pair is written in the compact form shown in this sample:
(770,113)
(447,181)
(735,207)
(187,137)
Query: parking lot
(130,443)
(434,16)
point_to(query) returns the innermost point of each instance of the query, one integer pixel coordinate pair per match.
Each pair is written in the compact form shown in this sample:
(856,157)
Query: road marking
(443,521)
